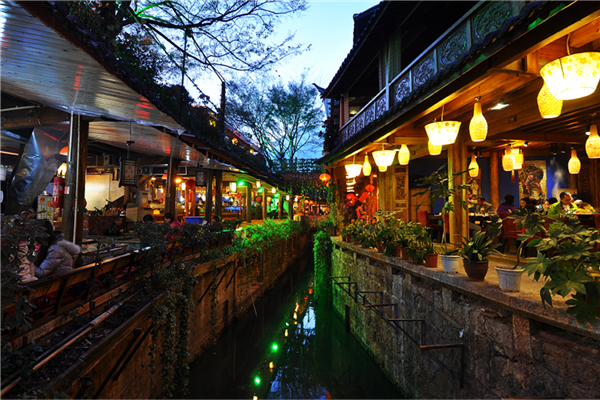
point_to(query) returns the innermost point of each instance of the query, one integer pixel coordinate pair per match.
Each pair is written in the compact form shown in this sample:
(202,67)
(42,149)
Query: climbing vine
(323,249)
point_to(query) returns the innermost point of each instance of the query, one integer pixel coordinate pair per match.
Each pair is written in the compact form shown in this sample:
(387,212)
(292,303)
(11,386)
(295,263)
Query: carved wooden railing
(482,19)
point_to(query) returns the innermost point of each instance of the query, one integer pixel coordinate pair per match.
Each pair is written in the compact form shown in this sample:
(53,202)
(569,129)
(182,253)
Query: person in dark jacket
(215,225)
(116,227)
(509,204)
(55,257)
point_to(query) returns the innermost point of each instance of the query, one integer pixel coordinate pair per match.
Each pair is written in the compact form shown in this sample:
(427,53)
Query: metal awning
(41,66)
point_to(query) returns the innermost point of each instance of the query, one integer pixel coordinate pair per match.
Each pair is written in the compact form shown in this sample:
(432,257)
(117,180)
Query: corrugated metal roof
(41,66)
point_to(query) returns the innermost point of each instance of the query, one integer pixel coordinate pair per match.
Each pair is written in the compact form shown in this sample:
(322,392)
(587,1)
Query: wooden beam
(585,34)
(30,118)
(540,137)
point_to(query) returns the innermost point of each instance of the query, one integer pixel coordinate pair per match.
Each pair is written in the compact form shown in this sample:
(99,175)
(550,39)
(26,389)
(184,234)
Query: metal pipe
(19,108)
(441,346)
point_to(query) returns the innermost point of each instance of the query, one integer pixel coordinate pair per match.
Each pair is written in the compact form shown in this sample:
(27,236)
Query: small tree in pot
(438,185)
(474,253)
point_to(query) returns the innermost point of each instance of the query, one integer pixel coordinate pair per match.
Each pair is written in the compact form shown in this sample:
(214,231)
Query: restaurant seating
(423,217)
(509,231)
(597,220)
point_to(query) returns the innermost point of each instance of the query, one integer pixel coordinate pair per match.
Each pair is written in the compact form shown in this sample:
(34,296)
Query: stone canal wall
(467,340)
(118,367)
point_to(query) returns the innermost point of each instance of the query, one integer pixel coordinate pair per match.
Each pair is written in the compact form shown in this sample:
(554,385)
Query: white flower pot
(509,279)
(450,263)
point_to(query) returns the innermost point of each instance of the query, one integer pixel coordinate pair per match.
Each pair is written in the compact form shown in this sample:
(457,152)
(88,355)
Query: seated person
(482,206)
(215,224)
(585,207)
(116,227)
(527,204)
(174,224)
(565,205)
(508,205)
(55,257)
(148,219)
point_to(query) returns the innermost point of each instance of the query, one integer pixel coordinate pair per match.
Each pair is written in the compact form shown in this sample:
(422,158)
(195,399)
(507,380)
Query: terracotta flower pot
(380,247)
(404,255)
(431,260)
(476,270)
(398,251)
(348,237)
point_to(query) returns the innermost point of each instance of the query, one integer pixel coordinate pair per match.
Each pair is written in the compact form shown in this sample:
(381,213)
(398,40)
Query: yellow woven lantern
(353,170)
(443,132)
(519,158)
(478,126)
(573,76)
(574,163)
(592,144)
(383,158)
(473,167)
(404,155)
(434,149)
(508,160)
(366,169)
(549,106)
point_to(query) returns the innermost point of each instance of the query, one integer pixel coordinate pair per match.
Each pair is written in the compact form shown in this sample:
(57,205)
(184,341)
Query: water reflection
(318,359)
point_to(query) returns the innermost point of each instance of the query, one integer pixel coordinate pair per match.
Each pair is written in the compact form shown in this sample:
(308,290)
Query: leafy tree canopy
(283,120)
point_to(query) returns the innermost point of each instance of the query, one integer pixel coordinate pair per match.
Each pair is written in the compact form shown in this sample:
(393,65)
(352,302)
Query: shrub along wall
(193,296)
(513,347)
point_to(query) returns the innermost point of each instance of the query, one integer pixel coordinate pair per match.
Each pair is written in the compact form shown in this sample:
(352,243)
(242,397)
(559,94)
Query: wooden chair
(423,217)
(509,231)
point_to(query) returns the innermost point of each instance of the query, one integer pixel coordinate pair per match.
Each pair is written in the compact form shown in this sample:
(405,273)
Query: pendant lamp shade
(508,160)
(404,155)
(573,76)
(549,106)
(574,163)
(434,149)
(366,169)
(353,170)
(473,167)
(232,187)
(384,158)
(443,132)
(519,159)
(258,184)
(592,144)
(478,126)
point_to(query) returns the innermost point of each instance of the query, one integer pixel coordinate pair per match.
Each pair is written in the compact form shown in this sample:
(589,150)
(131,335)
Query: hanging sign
(129,173)
(200,177)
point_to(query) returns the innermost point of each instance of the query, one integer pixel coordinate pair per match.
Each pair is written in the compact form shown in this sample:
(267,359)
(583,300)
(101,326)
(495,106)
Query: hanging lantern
(549,106)
(404,155)
(434,149)
(574,163)
(164,176)
(324,178)
(478,126)
(519,159)
(383,158)
(234,141)
(353,170)
(443,132)
(258,184)
(190,183)
(592,144)
(64,151)
(366,166)
(369,188)
(287,197)
(573,76)
(273,190)
(258,199)
(508,160)
(473,167)
(238,196)
(232,187)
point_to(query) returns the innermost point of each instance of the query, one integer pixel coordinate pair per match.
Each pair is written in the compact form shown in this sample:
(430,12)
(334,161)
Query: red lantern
(324,177)
(190,183)
(258,199)
(239,195)
(369,188)
(363,197)
(58,191)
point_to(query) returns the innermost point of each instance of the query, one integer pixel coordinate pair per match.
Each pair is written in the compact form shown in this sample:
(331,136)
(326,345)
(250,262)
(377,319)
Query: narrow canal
(313,356)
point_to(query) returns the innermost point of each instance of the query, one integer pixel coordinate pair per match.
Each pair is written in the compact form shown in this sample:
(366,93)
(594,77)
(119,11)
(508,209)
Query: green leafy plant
(533,223)
(323,249)
(478,248)
(419,242)
(565,262)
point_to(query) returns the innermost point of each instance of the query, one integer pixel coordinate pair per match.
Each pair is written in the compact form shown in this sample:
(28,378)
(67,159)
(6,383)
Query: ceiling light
(404,155)
(519,159)
(434,149)
(592,144)
(508,160)
(499,105)
(353,170)
(366,169)
(478,126)
(383,158)
(526,144)
(588,131)
(443,132)
(549,106)
(574,163)
(473,167)
(573,76)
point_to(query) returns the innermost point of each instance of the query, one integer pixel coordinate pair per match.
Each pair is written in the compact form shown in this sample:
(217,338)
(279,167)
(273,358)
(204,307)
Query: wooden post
(69,201)
(494,181)
(80,184)
(209,196)
(248,201)
(171,188)
(459,222)
(290,208)
(193,190)
(218,192)
(280,206)
(264,204)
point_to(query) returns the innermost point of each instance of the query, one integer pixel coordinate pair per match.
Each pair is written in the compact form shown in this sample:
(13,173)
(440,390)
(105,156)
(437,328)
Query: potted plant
(348,232)
(509,276)
(572,269)
(418,243)
(402,239)
(438,186)
(386,231)
(474,253)
(431,257)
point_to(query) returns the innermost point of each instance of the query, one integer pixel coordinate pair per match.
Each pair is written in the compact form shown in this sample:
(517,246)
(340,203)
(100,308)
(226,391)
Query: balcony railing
(482,19)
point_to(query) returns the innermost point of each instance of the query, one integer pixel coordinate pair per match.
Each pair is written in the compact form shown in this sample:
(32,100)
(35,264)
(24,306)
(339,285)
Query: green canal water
(318,359)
